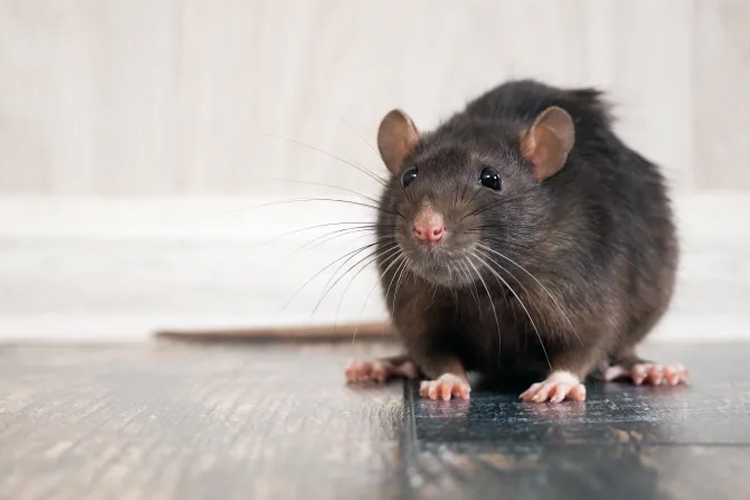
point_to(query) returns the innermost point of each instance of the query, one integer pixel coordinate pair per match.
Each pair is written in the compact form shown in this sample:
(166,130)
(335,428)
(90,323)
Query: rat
(522,235)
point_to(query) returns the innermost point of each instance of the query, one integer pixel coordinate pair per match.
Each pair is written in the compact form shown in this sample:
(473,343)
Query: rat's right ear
(397,137)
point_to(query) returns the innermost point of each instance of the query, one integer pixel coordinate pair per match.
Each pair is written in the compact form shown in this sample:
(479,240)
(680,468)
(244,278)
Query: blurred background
(138,139)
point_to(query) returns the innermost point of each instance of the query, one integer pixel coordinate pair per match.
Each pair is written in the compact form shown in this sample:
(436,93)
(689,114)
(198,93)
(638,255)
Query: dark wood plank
(719,392)
(618,472)
(175,421)
(615,413)
(624,442)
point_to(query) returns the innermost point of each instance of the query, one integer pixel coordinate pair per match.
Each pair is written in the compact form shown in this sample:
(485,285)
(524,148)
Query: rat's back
(625,194)
(521,101)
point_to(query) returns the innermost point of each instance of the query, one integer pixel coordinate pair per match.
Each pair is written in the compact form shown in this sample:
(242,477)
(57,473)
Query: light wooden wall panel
(175,97)
(721,122)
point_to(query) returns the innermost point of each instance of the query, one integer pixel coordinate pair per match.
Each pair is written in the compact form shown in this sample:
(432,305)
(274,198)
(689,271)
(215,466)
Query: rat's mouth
(439,265)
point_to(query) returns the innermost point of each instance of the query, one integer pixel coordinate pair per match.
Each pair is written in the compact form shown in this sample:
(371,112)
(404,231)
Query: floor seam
(411,478)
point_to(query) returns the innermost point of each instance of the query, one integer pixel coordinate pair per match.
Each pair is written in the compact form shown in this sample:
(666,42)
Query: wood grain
(721,114)
(168,422)
(624,442)
(171,421)
(109,98)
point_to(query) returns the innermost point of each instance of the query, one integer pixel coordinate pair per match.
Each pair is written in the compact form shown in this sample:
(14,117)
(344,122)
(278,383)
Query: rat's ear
(548,141)
(397,137)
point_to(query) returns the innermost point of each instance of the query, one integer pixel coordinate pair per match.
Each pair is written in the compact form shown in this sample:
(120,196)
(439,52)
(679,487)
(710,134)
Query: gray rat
(522,235)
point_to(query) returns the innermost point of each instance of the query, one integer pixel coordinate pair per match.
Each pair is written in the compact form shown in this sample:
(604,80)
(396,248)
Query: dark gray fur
(599,236)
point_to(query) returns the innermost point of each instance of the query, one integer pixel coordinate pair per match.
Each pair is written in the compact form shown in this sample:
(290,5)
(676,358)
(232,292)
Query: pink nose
(429,226)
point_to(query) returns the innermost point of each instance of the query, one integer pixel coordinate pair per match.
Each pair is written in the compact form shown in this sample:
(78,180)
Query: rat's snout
(429,226)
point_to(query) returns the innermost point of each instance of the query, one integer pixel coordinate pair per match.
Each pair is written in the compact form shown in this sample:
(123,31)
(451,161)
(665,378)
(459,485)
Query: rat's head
(469,195)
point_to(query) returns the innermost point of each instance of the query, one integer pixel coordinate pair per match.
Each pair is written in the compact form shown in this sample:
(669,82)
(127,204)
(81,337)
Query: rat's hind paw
(558,386)
(444,387)
(368,371)
(379,370)
(649,373)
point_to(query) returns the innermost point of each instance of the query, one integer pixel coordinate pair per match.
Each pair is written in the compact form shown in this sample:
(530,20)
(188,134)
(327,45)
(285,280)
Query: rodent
(522,234)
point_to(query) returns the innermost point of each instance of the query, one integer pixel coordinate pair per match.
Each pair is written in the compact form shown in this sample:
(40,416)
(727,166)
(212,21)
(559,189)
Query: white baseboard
(119,270)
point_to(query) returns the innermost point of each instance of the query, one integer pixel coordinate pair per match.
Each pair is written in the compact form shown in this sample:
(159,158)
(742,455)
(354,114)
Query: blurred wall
(134,133)
(176,97)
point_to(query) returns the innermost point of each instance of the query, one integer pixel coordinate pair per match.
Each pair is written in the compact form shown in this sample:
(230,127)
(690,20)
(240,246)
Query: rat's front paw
(444,387)
(558,386)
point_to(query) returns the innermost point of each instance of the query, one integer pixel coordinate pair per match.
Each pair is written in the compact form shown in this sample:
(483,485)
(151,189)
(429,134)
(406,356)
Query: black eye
(408,176)
(490,178)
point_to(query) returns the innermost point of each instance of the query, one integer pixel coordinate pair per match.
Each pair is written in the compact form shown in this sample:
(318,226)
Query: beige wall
(107,97)
(136,111)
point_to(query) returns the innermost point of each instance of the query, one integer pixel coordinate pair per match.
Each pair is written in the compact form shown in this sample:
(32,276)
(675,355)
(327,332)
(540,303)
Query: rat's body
(522,234)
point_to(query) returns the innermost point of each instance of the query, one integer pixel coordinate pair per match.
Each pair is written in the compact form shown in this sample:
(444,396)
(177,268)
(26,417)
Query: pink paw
(369,371)
(444,387)
(649,373)
(379,370)
(558,386)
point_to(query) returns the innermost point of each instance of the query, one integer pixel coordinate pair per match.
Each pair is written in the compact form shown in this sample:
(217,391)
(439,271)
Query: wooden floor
(165,420)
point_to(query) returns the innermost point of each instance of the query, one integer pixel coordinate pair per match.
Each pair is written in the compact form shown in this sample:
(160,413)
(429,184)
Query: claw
(650,373)
(559,386)
(364,371)
(445,387)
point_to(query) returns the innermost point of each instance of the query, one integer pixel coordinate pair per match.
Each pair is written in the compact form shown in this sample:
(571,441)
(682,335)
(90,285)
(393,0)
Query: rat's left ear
(548,141)
(397,137)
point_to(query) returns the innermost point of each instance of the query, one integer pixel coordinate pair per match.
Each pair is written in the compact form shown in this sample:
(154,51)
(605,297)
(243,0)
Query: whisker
(562,310)
(492,303)
(550,233)
(372,259)
(309,228)
(472,288)
(408,196)
(353,252)
(454,296)
(463,193)
(476,290)
(487,256)
(372,148)
(314,183)
(384,240)
(434,294)
(350,231)
(495,203)
(391,261)
(315,242)
(332,200)
(331,155)
(386,254)
(329,289)
(404,272)
(390,284)
(497,276)
(471,200)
